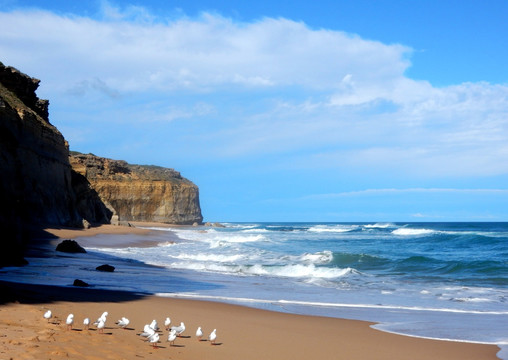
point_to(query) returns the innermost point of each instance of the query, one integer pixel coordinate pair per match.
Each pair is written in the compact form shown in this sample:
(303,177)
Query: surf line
(332,305)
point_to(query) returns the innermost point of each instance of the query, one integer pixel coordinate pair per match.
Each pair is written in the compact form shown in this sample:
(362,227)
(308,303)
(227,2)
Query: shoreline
(244,332)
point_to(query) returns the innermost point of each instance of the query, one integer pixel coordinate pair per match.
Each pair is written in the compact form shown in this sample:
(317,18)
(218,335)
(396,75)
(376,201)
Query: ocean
(433,280)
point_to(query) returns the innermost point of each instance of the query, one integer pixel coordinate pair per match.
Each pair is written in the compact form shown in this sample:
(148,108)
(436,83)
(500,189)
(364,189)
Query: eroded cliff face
(39,188)
(35,181)
(141,193)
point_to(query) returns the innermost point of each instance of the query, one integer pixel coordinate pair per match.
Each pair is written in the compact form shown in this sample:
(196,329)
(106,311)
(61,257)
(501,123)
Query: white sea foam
(322,257)
(333,228)
(283,271)
(210,257)
(379,226)
(412,232)
(471,299)
(256,231)
(329,304)
(214,237)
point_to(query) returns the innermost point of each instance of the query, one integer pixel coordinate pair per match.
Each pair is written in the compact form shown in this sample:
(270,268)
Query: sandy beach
(243,333)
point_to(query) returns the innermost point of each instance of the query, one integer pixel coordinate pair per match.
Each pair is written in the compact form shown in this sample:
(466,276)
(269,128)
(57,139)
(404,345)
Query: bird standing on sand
(172,337)
(213,336)
(70,321)
(100,326)
(154,325)
(86,322)
(199,333)
(154,339)
(123,322)
(102,318)
(167,322)
(179,329)
(147,331)
(47,315)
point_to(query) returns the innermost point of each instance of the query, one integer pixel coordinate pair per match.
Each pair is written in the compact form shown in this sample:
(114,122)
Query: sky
(325,111)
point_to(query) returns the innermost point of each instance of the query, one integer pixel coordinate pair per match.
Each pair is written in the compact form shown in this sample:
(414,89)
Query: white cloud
(321,98)
(205,52)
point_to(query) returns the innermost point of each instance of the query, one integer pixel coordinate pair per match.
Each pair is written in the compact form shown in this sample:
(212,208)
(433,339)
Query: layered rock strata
(39,188)
(35,182)
(140,192)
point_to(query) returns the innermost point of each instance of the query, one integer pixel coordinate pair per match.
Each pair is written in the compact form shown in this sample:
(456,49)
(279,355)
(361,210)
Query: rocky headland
(41,185)
(140,192)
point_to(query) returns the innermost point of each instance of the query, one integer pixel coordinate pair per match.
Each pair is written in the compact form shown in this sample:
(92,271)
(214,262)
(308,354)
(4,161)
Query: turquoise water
(437,280)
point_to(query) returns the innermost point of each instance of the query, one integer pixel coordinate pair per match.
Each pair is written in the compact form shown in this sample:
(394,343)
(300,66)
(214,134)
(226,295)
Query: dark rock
(106,268)
(70,246)
(80,283)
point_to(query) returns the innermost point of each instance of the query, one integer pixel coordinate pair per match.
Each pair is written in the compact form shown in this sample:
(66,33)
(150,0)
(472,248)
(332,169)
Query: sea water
(434,280)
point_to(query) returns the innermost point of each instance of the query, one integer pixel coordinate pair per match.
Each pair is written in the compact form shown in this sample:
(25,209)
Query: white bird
(86,322)
(213,336)
(147,331)
(47,315)
(199,333)
(154,339)
(100,326)
(167,322)
(154,325)
(123,322)
(69,321)
(102,318)
(179,329)
(172,337)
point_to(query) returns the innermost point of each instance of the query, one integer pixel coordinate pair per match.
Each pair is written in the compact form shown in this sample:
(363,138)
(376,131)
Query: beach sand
(243,333)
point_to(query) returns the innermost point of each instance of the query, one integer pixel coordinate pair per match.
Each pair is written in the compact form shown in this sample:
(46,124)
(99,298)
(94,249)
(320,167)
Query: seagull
(47,315)
(154,325)
(179,329)
(147,331)
(69,321)
(167,322)
(100,326)
(212,337)
(172,337)
(86,322)
(102,318)
(199,333)
(123,322)
(154,339)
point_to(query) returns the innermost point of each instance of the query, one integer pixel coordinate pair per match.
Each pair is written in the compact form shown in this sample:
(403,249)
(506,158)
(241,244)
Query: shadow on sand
(44,247)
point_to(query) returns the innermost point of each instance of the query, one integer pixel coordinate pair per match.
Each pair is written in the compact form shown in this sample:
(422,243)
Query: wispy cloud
(390,192)
(273,88)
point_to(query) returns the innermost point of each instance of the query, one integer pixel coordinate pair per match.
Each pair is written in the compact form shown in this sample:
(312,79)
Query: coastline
(244,332)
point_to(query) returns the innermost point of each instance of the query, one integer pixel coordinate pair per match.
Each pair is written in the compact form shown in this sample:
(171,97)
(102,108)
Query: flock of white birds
(151,332)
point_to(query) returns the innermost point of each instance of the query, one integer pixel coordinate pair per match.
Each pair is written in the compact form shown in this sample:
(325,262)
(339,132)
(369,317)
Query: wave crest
(412,232)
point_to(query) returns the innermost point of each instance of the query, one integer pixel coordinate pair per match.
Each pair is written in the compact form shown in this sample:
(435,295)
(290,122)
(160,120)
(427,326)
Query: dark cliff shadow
(11,292)
(88,203)
(43,246)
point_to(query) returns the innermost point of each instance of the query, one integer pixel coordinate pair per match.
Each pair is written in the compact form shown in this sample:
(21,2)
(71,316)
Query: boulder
(70,246)
(80,283)
(105,268)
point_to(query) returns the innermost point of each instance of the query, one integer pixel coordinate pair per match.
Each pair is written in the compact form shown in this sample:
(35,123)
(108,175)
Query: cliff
(39,188)
(35,186)
(141,193)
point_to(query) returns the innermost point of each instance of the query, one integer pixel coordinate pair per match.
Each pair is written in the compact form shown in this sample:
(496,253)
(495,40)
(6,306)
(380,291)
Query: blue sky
(285,111)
